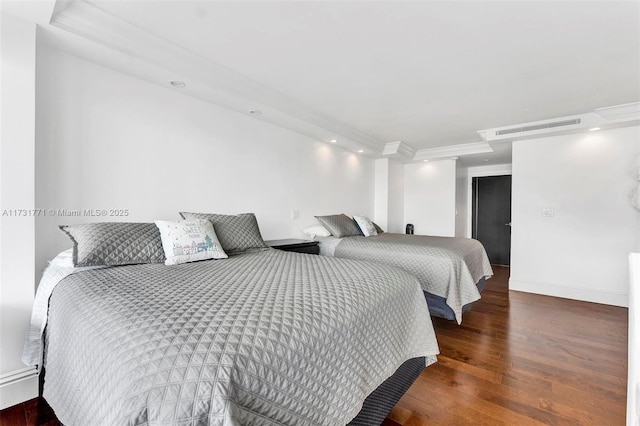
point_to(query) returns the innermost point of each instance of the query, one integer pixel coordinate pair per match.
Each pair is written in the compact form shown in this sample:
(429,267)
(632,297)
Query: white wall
(381,198)
(430,197)
(17,224)
(581,252)
(462,192)
(389,195)
(106,140)
(396,201)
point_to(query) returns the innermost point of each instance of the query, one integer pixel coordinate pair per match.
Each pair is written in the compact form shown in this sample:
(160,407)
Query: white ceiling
(427,73)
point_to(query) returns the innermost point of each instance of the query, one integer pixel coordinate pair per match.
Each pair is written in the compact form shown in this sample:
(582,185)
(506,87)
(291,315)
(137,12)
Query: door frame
(482,171)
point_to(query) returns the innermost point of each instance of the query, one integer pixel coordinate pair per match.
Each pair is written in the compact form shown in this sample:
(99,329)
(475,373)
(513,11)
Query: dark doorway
(491,216)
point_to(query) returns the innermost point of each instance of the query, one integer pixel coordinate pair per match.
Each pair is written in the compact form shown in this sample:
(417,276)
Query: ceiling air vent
(542,126)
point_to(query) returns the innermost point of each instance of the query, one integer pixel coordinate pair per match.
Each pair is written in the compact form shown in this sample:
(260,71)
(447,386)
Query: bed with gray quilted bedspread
(262,338)
(447,267)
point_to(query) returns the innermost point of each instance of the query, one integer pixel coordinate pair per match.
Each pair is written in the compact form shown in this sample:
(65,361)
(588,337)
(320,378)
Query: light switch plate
(548,212)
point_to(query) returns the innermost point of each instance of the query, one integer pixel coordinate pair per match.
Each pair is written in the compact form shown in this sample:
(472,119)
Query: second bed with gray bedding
(449,268)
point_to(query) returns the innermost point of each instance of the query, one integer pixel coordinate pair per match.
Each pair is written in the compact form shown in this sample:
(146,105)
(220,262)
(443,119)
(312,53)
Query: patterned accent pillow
(340,225)
(189,240)
(365,225)
(114,243)
(237,233)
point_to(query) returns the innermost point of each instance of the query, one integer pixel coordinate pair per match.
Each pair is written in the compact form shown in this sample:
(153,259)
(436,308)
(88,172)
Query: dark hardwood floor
(35,412)
(517,359)
(523,359)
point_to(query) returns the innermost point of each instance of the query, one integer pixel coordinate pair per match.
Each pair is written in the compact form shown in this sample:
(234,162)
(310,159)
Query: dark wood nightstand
(299,246)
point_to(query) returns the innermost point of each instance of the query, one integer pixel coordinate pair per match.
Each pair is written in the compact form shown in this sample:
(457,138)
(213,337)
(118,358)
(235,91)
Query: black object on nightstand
(299,246)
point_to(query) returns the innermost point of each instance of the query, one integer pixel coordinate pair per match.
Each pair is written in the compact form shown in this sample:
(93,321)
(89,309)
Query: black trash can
(409,229)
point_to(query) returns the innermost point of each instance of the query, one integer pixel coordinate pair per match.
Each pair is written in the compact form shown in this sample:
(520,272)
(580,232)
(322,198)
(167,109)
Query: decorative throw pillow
(316,231)
(378,229)
(189,240)
(114,243)
(237,233)
(340,225)
(366,226)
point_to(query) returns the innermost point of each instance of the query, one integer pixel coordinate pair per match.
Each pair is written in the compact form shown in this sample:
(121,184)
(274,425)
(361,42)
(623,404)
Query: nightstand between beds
(299,246)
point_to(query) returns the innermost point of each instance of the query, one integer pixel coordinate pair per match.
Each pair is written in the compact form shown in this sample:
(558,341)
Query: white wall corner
(381,193)
(461,201)
(395,207)
(18,386)
(430,197)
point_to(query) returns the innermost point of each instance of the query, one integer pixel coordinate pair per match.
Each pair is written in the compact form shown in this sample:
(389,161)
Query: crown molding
(452,151)
(153,58)
(626,112)
(604,118)
(398,149)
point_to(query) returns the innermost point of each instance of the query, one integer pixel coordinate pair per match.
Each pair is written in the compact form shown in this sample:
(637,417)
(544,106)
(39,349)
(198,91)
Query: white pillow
(366,226)
(316,231)
(189,240)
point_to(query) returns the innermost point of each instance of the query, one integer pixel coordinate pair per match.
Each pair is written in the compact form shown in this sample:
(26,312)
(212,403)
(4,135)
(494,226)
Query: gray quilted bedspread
(447,267)
(262,338)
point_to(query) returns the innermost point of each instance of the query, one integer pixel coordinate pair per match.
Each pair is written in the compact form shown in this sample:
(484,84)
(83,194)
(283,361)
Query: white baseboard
(571,292)
(18,386)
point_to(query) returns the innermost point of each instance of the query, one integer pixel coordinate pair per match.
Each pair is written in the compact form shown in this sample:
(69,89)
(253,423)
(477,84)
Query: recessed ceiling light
(360,151)
(255,112)
(426,161)
(334,141)
(177,83)
(593,129)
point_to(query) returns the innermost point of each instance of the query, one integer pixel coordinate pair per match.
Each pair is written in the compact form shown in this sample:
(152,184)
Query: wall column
(17,203)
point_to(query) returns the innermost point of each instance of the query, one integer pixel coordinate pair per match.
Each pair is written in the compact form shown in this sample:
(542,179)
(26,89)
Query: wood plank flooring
(523,359)
(35,412)
(517,359)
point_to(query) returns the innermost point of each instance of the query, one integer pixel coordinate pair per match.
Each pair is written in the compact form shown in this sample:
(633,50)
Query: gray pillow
(115,243)
(237,233)
(378,229)
(340,225)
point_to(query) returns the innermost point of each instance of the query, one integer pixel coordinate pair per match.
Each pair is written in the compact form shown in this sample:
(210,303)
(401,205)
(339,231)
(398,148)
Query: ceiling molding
(452,151)
(608,117)
(217,84)
(626,112)
(116,38)
(398,149)
(539,128)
